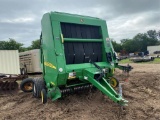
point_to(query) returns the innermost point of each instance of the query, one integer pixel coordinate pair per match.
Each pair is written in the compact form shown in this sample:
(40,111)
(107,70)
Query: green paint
(52,51)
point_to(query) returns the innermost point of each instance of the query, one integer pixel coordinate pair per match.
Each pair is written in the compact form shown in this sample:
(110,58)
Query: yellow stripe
(53,83)
(71,77)
(62,38)
(113,71)
(49,65)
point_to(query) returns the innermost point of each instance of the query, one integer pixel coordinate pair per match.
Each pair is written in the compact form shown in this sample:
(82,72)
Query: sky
(21,19)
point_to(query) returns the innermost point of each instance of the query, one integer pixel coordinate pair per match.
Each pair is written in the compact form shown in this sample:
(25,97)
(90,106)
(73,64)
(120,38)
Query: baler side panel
(104,36)
(107,44)
(48,51)
(59,52)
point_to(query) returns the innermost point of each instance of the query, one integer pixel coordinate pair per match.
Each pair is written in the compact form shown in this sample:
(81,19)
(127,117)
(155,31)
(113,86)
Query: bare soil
(142,90)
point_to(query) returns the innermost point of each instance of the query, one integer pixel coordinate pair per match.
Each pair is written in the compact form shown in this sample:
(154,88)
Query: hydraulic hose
(98,67)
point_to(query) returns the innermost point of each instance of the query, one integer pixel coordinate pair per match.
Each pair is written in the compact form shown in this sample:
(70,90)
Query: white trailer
(9,62)
(154,50)
(9,70)
(31,60)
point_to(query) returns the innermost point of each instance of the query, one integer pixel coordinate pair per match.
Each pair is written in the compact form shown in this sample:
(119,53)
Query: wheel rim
(42,96)
(113,82)
(34,89)
(28,86)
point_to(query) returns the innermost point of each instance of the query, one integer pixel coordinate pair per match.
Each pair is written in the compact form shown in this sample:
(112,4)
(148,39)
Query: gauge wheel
(27,85)
(44,96)
(114,82)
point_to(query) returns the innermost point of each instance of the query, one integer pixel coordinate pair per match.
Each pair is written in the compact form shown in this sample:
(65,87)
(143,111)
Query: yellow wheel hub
(42,96)
(113,82)
(28,86)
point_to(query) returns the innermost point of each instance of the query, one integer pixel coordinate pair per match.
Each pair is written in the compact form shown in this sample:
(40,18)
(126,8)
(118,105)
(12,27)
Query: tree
(140,41)
(123,41)
(129,46)
(145,39)
(3,45)
(117,46)
(152,34)
(158,35)
(11,45)
(35,44)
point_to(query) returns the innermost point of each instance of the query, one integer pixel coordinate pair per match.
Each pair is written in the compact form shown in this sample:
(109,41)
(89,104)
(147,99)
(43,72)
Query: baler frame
(75,48)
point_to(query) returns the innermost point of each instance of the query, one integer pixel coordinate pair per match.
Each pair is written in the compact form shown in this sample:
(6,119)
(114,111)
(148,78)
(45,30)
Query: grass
(125,61)
(155,61)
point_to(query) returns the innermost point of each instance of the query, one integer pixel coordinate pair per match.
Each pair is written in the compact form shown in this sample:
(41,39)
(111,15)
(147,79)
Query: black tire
(27,85)
(44,96)
(38,86)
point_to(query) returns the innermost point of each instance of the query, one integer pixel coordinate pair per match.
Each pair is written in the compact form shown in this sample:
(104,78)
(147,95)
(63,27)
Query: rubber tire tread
(24,82)
(39,85)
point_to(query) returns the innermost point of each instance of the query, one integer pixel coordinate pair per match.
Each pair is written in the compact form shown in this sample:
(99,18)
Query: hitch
(127,68)
(102,74)
(104,87)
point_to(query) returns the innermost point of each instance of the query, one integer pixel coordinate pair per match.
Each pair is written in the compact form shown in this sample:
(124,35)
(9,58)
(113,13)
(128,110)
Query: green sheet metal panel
(53,48)
(48,55)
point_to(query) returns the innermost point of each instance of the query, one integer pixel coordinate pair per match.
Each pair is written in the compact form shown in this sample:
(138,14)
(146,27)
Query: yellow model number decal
(49,65)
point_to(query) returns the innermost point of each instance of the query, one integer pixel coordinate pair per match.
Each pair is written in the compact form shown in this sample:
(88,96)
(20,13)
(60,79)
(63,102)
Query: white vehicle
(154,50)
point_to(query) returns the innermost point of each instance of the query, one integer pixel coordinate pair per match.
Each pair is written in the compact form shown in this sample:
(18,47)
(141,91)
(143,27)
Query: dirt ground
(142,90)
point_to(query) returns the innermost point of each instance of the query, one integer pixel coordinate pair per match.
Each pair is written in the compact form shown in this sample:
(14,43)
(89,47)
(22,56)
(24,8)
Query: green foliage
(117,46)
(126,61)
(11,45)
(155,61)
(129,45)
(140,42)
(14,45)
(35,44)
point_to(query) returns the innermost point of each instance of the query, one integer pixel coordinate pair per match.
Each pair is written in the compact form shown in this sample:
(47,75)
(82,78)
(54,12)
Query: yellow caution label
(49,65)
(52,83)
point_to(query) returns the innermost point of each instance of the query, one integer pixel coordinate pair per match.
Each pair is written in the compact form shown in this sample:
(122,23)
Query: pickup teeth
(72,90)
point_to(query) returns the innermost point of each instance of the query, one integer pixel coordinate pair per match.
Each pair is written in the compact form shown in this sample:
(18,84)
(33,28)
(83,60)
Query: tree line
(138,43)
(14,45)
